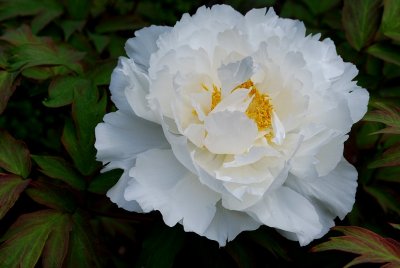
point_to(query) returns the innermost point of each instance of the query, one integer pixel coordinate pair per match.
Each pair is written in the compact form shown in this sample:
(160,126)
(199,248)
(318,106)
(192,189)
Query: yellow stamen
(216,97)
(260,109)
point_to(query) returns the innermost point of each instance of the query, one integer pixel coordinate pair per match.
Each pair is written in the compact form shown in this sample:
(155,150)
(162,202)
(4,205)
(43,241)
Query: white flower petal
(162,183)
(357,100)
(116,194)
(144,44)
(278,129)
(121,79)
(336,191)
(123,136)
(287,210)
(254,154)
(235,73)
(225,133)
(227,224)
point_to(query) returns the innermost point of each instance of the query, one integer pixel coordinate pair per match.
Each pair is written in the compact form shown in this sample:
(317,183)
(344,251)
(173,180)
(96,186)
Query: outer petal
(116,194)
(123,136)
(287,210)
(144,44)
(129,89)
(162,183)
(336,191)
(357,100)
(227,224)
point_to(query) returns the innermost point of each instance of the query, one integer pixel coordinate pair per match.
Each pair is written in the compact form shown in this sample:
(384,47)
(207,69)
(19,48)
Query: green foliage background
(56,57)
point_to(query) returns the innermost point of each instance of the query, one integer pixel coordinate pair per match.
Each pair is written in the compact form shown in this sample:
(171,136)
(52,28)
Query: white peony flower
(227,122)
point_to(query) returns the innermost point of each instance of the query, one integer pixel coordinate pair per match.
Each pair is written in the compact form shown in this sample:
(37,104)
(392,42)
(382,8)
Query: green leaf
(319,7)
(388,53)
(387,114)
(61,90)
(71,26)
(241,254)
(396,226)
(22,35)
(161,246)
(7,87)
(296,10)
(269,241)
(390,174)
(360,20)
(100,41)
(98,7)
(14,155)
(88,110)
(11,186)
(44,10)
(45,72)
(390,21)
(52,196)
(10,9)
(83,155)
(58,168)
(103,182)
(120,23)
(83,251)
(364,139)
(101,73)
(371,247)
(57,244)
(50,10)
(114,227)
(27,238)
(72,145)
(389,158)
(78,9)
(29,55)
(386,197)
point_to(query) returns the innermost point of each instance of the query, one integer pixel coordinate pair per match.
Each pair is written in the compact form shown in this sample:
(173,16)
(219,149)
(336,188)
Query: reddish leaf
(56,248)
(395,225)
(390,158)
(360,21)
(52,196)
(7,87)
(387,198)
(11,186)
(61,90)
(58,168)
(31,51)
(386,114)
(14,156)
(29,237)
(371,247)
(84,246)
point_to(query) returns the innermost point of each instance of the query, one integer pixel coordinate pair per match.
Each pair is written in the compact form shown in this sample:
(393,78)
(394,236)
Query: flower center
(260,108)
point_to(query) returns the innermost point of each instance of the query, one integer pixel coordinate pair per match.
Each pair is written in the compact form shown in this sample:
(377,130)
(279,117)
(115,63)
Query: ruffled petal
(116,194)
(234,74)
(227,224)
(335,191)
(287,210)
(357,100)
(144,44)
(123,136)
(162,183)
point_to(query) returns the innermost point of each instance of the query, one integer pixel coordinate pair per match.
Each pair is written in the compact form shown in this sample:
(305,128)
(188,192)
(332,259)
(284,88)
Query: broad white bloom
(227,122)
